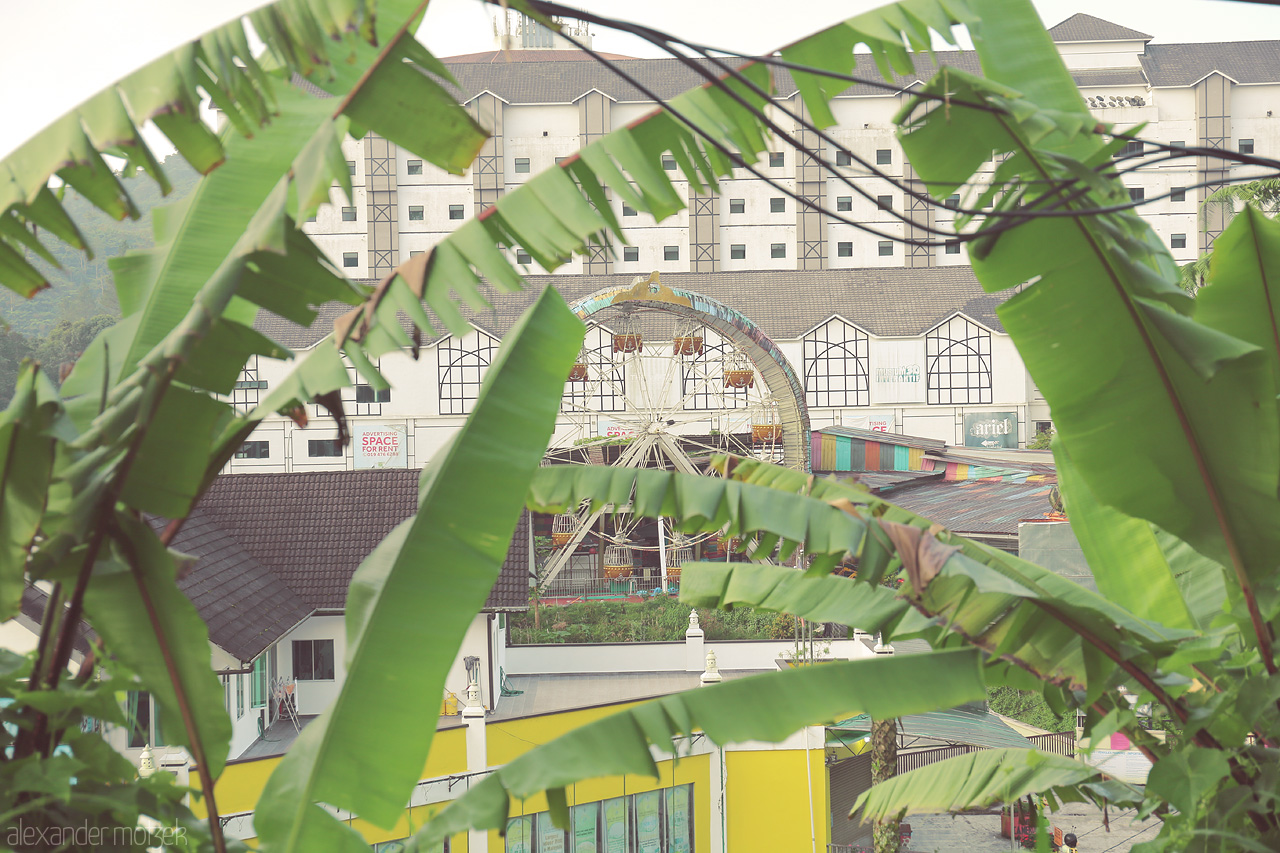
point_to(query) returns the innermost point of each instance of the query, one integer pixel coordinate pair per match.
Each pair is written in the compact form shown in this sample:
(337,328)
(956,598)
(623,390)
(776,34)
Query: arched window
(957,356)
(463,363)
(835,366)
(702,384)
(604,389)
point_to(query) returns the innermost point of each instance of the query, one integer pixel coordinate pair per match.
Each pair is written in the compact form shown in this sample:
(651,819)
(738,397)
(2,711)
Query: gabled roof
(1185,64)
(885,301)
(246,607)
(1082,27)
(312,529)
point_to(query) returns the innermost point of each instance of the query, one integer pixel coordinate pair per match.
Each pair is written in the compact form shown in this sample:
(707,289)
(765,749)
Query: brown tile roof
(312,529)
(246,606)
(1082,27)
(887,301)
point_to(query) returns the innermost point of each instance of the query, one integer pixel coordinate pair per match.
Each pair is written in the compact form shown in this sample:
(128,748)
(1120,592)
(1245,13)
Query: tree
(1108,337)
(1222,204)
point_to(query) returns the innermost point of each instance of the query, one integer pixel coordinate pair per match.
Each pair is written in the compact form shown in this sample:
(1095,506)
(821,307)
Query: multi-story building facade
(863,331)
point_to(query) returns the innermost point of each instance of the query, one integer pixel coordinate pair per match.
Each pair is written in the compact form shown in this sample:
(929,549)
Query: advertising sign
(585,835)
(876,423)
(648,828)
(678,809)
(615,825)
(520,835)
(991,429)
(897,372)
(380,445)
(550,838)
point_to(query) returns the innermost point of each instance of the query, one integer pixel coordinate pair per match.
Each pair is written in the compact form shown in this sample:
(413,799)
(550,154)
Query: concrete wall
(557,658)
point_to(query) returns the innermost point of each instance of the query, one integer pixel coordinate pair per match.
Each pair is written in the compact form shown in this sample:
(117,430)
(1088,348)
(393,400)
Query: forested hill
(57,324)
(83,288)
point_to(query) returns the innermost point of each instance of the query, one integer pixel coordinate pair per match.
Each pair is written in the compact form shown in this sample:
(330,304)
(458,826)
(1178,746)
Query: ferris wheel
(666,379)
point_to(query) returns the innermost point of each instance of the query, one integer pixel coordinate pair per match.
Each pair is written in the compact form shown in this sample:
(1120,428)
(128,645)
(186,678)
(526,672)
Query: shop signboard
(991,429)
(520,835)
(615,825)
(897,372)
(550,837)
(380,445)
(648,826)
(586,820)
(678,809)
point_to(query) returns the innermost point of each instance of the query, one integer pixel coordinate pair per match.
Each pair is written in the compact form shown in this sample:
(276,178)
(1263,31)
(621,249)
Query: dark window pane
(777,159)
(322,659)
(414,167)
(844,202)
(302,660)
(884,156)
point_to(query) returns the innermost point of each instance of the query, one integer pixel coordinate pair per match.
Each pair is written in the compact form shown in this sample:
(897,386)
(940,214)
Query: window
(605,388)
(1137,193)
(1246,146)
(348,214)
(351,259)
(885,248)
(1177,241)
(668,162)
(844,250)
(311,218)
(247,390)
(456,211)
(413,167)
(1178,194)
(415,253)
(777,250)
(884,202)
(671,253)
(258,683)
(1178,144)
(844,202)
(777,159)
(1132,148)
(631,253)
(836,365)
(522,165)
(351,167)
(952,201)
(462,365)
(738,252)
(313,660)
(777,205)
(884,156)
(649,821)
(702,377)
(952,247)
(737,205)
(415,213)
(144,720)
(957,357)
(254,450)
(843,158)
(369,394)
(559,160)
(239,695)
(1043,427)
(523,257)
(628,210)
(324,447)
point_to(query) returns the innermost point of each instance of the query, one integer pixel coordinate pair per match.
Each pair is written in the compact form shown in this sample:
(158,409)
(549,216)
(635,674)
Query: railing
(566,585)
(1063,743)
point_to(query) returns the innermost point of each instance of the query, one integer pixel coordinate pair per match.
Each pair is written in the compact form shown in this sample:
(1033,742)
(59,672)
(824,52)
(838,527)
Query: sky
(56,53)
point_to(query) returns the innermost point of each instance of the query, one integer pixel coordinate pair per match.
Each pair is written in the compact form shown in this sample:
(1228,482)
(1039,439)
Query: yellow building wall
(507,740)
(695,769)
(768,801)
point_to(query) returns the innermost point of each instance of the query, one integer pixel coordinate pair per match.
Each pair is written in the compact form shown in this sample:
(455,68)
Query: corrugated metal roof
(958,725)
(973,506)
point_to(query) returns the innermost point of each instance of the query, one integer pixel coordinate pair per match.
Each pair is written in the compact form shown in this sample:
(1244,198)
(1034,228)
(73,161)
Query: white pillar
(711,675)
(662,551)
(477,756)
(694,645)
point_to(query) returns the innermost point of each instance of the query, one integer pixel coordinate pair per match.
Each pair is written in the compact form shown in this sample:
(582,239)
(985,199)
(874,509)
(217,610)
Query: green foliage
(1042,441)
(655,620)
(1029,707)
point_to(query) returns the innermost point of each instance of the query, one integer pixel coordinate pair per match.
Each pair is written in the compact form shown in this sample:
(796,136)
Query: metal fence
(1058,744)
